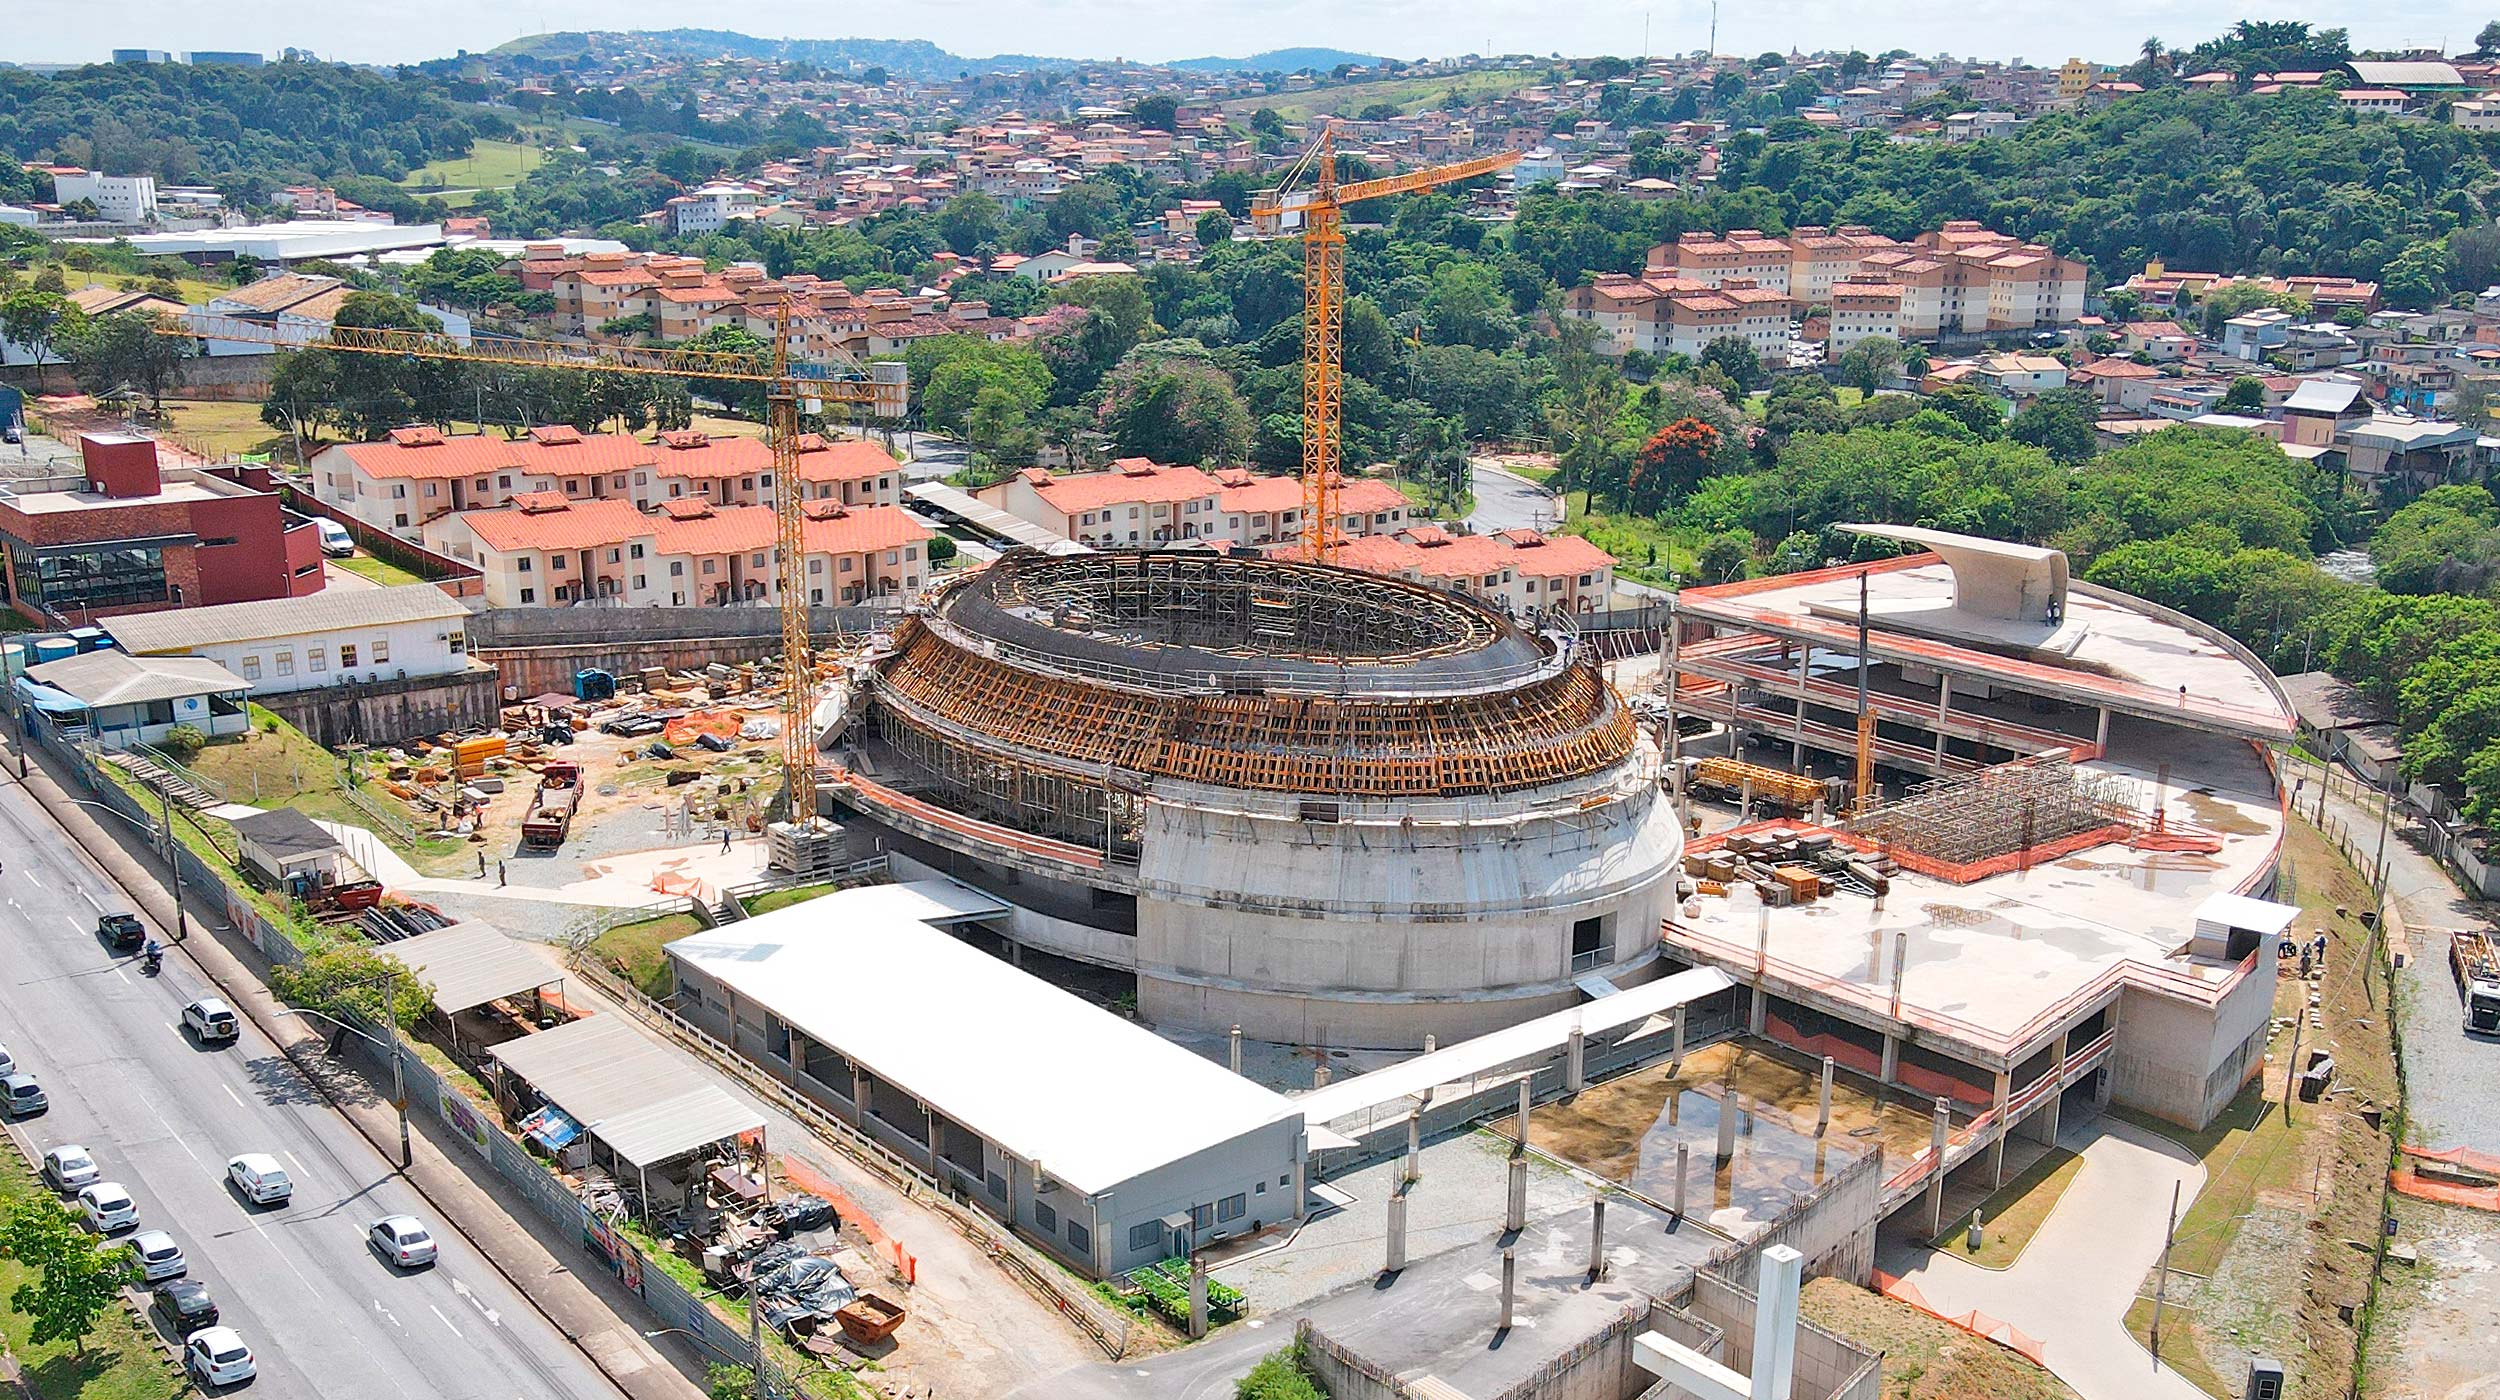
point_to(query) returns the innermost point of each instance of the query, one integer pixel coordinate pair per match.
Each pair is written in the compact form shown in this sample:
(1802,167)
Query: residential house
(412,631)
(1524,572)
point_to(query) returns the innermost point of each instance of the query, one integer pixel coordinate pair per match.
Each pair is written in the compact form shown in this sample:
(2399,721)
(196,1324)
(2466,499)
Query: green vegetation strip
(2016,1212)
(123,1360)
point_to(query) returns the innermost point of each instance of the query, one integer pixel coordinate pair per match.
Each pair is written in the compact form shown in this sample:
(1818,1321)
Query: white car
(211,1020)
(403,1240)
(70,1166)
(108,1207)
(261,1180)
(159,1257)
(8,1062)
(217,1356)
(335,541)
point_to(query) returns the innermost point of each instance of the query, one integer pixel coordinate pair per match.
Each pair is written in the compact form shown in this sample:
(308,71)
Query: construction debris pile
(1788,867)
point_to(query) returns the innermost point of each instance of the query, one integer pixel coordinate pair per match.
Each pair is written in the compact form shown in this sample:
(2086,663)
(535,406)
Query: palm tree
(2154,53)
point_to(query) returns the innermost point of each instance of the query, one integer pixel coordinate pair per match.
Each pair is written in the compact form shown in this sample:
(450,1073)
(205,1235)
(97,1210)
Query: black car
(121,931)
(185,1306)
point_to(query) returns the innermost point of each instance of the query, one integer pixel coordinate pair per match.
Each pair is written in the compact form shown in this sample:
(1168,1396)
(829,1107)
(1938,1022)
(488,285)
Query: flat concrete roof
(173,491)
(1988,960)
(1095,1099)
(2104,648)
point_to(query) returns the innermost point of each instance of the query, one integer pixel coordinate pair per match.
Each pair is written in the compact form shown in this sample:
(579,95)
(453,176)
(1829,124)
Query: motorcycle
(153,960)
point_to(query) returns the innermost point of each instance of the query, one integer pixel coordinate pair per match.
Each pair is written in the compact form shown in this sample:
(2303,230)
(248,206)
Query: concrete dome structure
(1329,807)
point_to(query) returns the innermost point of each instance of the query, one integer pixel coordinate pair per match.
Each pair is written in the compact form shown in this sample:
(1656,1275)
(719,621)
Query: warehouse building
(1098,1140)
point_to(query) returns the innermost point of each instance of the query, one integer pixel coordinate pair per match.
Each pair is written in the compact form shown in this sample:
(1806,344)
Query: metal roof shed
(470,964)
(647,1103)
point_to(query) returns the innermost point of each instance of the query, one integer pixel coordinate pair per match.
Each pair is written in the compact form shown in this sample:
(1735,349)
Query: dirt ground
(1926,1358)
(2434,1337)
(1627,1129)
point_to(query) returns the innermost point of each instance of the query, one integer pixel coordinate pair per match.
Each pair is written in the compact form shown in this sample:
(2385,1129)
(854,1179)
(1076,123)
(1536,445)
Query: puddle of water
(1770,1167)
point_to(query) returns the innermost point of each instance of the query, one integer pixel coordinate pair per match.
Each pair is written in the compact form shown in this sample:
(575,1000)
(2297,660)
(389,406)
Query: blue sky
(382,31)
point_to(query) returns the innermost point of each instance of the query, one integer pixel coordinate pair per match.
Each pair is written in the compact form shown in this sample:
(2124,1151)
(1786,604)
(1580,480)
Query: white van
(335,541)
(261,1180)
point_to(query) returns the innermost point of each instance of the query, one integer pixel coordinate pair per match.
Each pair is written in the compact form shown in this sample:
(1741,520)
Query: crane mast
(1323,312)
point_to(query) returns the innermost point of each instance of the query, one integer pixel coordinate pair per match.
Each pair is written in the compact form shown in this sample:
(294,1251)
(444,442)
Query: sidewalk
(570,1300)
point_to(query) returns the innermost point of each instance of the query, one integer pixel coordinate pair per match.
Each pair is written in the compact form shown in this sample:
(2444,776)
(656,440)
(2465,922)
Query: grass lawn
(1539,475)
(2016,1212)
(226,429)
(285,768)
(1426,504)
(1925,1358)
(1645,551)
(492,165)
(194,290)
(122,1360)
(770,900)
(1407,94)
(2248,1148)
(381,571)
(634,949)
(2178,1352)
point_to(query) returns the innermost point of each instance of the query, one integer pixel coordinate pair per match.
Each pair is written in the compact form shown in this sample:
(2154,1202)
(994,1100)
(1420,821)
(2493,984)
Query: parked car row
(214,1355)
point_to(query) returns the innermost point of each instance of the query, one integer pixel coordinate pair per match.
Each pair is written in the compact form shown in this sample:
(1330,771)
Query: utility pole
(2386,813)
(2161,1286)
(173,862)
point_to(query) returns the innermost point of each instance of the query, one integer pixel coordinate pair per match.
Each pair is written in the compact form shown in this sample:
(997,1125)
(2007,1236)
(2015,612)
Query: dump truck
(2475,958)
(551,810)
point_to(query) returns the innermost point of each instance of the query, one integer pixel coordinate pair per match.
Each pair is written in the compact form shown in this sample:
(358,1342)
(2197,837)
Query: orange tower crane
(1322,211)
(790,387)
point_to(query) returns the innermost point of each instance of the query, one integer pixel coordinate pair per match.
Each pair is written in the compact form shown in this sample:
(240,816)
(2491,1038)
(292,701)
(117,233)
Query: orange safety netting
(2448,1189)
(1978,1324)
(720,724)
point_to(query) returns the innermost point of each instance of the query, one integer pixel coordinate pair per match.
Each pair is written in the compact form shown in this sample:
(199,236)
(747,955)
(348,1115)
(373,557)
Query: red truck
(552,806)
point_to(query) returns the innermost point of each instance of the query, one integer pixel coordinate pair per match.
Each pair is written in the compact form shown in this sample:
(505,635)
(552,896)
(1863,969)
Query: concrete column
(1414,1149)
(1935,1179)
(1527,1092)
(1197,1297)
(1515,1217)
(1776,1282)
(1683,1169)
(1396,1259)
(1900,966)
(1757,1009)
(1575,1062)
(1430,1044)
(1944,708)
(1510,1288)
(1301,1191)
(1597,1239)
(1892,1057)
(1797,745)
(1996,1149)
(1319,1075)
(1823,1102)
(1233,1054)
(2100,730)
(1675,1056)
(1727,1127)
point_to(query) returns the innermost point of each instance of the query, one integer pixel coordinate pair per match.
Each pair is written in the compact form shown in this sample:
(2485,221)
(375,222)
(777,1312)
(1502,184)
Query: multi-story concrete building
(1522,572)
(119,199)
(1661,315)
(711,208)
(1138,504)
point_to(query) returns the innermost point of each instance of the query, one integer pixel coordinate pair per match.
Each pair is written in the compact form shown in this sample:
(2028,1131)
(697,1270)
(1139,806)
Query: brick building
(132,536)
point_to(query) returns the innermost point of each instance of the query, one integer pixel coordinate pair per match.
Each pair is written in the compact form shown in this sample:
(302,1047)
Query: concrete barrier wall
(1342,1373)
(1829,1367)
(1833,1226)
(387,712)
(1597,1367)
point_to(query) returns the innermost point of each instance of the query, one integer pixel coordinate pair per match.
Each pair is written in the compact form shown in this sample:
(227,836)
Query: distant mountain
(904,58)
(1278,61)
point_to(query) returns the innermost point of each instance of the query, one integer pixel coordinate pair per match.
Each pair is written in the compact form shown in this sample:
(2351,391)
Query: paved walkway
(1507,501)
(2072,1286)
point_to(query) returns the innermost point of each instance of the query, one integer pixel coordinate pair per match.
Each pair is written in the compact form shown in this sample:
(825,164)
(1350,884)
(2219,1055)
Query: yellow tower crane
(790,385)
(1322,210)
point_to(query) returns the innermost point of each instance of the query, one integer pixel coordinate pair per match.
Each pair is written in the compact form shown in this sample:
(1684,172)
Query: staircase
(165,779)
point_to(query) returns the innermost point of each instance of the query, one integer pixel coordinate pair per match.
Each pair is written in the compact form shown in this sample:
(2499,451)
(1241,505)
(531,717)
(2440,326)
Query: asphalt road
(323,1314)
(1505,501)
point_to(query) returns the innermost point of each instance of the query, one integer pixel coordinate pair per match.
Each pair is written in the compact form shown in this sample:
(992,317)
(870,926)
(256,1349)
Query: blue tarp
(552,1127)
(49,700)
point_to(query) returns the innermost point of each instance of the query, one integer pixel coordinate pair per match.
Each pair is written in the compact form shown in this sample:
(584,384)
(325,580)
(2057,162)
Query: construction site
(1325,807)
(1989,841)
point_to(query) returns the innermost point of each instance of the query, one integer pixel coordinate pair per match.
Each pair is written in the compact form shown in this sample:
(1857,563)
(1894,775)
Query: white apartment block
(119,199)
(708,209)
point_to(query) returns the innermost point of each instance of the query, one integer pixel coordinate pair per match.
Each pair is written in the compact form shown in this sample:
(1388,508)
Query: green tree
(1972,407)
(76,1282)
(354,981)
(1735,357)
(1214,226)
(1168,402)
(1278,1376)
(2182,477)
(1466,306)
(1869,364)
(2061,423)
(1724,556)
(2446,541)
(2247,394)
(1156,113)
(124,350)
(971,221)
(40,322)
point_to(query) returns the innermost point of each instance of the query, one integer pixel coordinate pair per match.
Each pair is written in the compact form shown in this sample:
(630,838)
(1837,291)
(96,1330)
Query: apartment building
(1746,254)
(711,208)
(1136,503)
(1662,315)
(547,550)
(416,475)
(2160,287)
(1520,571)
(1819,257)
(119,199)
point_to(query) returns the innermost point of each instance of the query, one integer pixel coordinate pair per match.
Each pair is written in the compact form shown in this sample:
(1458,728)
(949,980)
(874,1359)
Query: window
(401,519)
(286,663)
(382,650)
(400,492)
(847,562)
(634,551)
(1045,1217)
(757,562)
(815,564)
(997,1185)
(433,489)
(459,641)
(615,556)
(318,658)
(251,668)
(504,481)
(1080,1238)
(676,568)
(91,577)
(638,585)
(1592,944)
(522,565)
(347,656)
(711,566)
(1230,1208)
(529,595)
(1201,1217)
(1146,1234)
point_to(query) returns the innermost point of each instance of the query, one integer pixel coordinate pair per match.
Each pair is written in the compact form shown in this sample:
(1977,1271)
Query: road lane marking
(33,879)
(298,1164)
(230,1093)
(385,1314)
(492,1318)
(82,894)
(122,975)
(447,1322)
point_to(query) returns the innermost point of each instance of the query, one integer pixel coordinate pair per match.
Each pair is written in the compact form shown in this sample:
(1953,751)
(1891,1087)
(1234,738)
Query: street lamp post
(399,1087)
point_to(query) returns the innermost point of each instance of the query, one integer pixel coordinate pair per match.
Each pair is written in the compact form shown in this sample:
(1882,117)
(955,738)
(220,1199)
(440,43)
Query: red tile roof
(1282,493)
(1131,480)
(684,527)
(1432,552)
